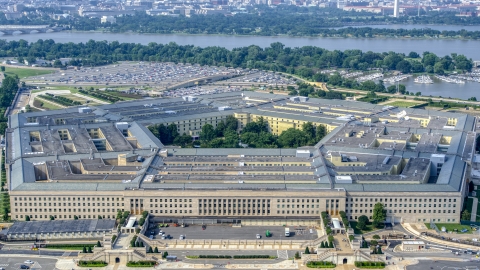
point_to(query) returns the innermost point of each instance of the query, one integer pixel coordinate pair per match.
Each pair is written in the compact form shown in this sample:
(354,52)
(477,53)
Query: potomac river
(441,47)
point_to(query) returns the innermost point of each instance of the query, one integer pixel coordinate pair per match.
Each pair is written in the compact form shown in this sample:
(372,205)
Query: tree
(99,217)
(379,213)
(376,237)
(89,249)
(362,222)
(84,250)
(98,244)
(466,215)
(307,250)
(52,218)
(75,217)
(297,255)
(27,218)
(374,242)
(322,245)
(150,250)
(165,254)
(379,250)
(207,134)
(57,63)
(292,138)
(404,66)
(2,68)
(330,245)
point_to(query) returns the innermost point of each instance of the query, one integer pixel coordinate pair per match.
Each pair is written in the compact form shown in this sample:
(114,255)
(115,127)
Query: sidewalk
(473,217)
(287,264)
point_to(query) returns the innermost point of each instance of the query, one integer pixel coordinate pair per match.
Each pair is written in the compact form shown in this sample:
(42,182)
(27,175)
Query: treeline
(254,134)
(7,92)
(304,61)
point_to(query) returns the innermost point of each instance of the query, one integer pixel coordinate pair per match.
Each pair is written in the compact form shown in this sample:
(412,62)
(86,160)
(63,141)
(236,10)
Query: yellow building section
(277,125)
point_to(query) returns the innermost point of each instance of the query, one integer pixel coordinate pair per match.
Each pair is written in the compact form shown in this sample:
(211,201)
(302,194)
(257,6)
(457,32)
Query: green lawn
(451,227)
(47,105)
(369,228)
(26,72)
(405,104)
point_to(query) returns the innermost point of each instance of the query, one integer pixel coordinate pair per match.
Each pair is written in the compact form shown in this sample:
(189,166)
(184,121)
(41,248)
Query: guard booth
(413,245)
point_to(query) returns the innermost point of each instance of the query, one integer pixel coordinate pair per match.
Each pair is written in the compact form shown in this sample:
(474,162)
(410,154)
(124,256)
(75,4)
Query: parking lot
(130,73)
(10,263)
(219,232)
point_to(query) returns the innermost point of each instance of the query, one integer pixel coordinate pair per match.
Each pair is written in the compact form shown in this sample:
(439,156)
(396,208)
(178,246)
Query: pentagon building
(94,161)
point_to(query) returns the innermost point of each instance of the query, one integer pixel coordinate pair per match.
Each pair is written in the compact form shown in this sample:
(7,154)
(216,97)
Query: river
(469,48)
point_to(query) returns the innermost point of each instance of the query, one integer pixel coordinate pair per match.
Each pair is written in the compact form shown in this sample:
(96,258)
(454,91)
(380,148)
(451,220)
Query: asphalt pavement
(11,263)
(226,232)
(444,265)
(38,252)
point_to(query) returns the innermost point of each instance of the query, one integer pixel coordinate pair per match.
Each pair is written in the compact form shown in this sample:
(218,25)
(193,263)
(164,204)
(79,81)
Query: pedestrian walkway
(473,217)
(282,254)
(123,241)
(63,264)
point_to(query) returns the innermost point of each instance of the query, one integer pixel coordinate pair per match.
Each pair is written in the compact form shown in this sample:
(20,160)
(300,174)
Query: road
(11,263)
(43,252)
(282,255)
(444,265)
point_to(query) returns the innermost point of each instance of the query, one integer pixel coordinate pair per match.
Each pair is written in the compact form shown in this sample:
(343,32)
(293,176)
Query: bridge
(27,29)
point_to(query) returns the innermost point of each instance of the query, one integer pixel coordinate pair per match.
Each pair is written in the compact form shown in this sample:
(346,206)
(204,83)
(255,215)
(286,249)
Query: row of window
(67,204)
(64,216)
(171,200)
(67,199)
(171,205)
(399,200)
(299,212)
(64,210)
(229,212)
(409,205)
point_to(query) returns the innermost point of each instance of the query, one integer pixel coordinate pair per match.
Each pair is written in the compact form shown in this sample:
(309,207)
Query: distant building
(109,19)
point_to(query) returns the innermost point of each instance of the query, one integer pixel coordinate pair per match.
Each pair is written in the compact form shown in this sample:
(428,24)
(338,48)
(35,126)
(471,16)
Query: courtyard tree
(379,214)
(362,222)
(466,215)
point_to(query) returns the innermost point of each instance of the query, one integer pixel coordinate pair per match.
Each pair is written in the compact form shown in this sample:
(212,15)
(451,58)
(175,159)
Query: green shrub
(214,256)
(370,265)
(92,263)
(141,264)
(67,246)
(320,264)
(251,256)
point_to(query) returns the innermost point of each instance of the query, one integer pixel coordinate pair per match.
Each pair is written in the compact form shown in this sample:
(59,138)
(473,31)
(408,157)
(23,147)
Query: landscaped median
(92,263)
(370,265)
(141,264)
(320,264)
(236,257)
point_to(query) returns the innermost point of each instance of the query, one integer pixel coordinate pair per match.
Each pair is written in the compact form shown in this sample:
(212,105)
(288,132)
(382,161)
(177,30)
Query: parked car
(23,266)
(464,230)
(259,236)
(29,262)
(181,237)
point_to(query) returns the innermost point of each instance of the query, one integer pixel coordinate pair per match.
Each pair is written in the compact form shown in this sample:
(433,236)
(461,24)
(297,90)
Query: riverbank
(440,47)
(349,36)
